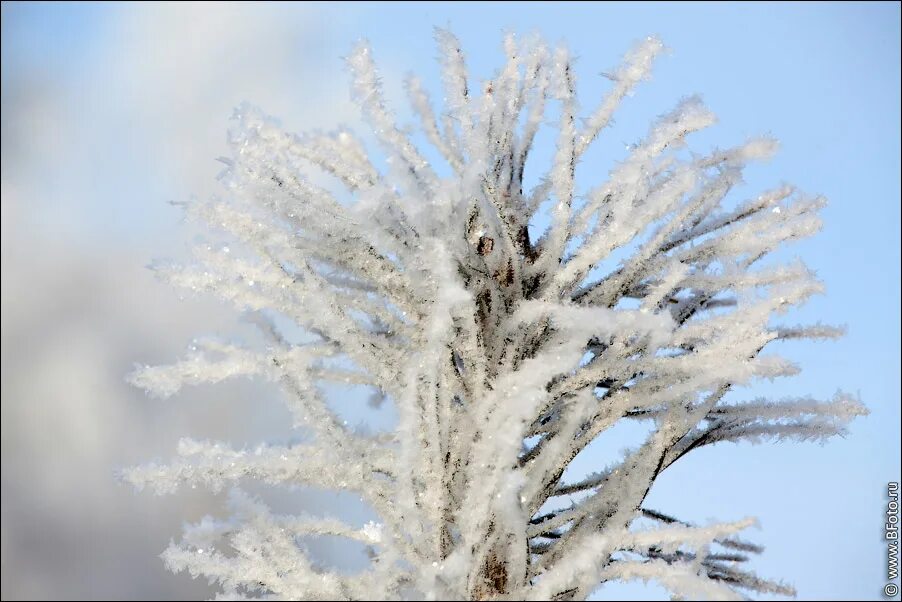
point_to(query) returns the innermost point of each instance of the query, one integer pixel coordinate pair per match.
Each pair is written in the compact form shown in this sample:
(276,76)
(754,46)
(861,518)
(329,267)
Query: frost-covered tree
(504,353)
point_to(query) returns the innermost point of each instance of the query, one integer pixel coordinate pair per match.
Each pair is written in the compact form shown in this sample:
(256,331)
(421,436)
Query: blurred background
(113,112)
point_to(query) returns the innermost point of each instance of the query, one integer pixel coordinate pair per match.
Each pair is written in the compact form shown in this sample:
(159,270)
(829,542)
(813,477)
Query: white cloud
(91,151)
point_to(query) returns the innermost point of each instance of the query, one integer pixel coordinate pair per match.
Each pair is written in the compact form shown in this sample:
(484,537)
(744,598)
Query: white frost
(504,357)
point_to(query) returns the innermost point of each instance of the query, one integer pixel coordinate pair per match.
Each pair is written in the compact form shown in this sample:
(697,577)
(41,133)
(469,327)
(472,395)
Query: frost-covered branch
(487,317)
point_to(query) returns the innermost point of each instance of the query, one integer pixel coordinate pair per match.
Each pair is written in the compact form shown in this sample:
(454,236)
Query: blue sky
(824,78)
